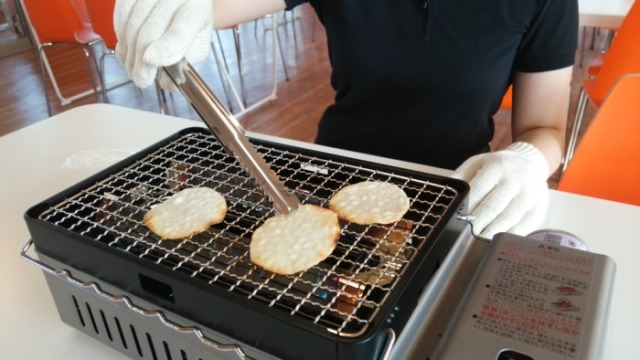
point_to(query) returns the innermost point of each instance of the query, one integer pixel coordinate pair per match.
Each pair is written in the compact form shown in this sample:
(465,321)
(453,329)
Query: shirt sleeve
(551,42)
(293,3)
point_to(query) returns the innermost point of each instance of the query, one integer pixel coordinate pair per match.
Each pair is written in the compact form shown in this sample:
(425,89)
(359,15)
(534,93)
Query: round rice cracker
(287,244)
(370,202)
(186,213)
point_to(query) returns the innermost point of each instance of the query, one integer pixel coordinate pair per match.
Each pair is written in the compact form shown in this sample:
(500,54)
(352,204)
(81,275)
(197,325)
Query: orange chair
(606,164)
(100,13)
(623,57)
(81,10)
(55,22)
(507,99)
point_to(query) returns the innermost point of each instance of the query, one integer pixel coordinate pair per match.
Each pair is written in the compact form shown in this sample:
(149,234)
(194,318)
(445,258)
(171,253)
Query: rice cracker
(186,213)
(370,202)
(287,244)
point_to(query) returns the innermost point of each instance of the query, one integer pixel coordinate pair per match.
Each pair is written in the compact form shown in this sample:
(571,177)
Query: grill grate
(342,294)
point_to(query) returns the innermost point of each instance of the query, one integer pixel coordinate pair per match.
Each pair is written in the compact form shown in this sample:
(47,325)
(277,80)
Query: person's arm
(539,116)
(232,12)
(509,187)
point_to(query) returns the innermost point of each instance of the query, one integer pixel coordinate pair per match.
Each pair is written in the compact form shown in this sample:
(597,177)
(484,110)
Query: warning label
(535,293)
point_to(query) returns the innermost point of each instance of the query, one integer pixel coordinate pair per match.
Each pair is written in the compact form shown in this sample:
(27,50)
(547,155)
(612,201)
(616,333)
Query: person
(415,80)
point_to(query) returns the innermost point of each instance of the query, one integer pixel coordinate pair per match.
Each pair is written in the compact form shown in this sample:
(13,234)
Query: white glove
(156,33)
(509,191)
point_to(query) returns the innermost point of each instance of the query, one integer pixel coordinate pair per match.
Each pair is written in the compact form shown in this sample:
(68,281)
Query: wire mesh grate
(343,293)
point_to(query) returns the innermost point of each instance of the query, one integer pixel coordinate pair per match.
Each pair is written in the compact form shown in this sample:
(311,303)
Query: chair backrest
(52,20)
(101,15)
(606,163)
(623,57)
(507,99)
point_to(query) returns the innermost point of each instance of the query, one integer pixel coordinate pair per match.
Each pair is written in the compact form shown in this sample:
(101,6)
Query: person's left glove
(156,33)
(509,191)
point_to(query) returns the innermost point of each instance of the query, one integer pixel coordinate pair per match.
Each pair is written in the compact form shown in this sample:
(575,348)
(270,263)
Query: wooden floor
(293,114)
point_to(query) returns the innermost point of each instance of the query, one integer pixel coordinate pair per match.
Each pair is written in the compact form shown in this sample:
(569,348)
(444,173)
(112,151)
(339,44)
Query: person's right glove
(156,33)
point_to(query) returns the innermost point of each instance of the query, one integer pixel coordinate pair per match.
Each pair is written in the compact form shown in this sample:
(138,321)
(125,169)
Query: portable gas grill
(202,298)
(338,309)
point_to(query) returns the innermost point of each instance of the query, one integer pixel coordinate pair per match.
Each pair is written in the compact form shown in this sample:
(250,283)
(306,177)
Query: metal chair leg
(237,43)
(224,57)
(236,39)
(284,62)
(222,79)
(582,48)
(226,66)
(610,35)
(89,55)
(103,78)
(162,100)
(293,24)
(313,30)
(44,77)
(577,124)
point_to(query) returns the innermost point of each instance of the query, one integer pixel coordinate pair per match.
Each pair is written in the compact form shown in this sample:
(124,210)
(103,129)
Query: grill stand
(134,330)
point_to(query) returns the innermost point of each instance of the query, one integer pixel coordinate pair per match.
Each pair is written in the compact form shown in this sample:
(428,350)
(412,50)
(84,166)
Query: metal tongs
(230,134)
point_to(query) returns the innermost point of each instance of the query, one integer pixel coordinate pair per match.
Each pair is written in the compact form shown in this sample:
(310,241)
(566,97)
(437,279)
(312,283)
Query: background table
(603,13)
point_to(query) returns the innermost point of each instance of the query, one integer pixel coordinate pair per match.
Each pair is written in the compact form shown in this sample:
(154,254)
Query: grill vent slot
(124,341)
(135,339)
(80,317)
(106,325)
(95,329)
(93,320)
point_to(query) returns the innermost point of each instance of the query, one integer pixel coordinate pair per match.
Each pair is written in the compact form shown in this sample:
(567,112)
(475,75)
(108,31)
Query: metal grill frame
(249,198)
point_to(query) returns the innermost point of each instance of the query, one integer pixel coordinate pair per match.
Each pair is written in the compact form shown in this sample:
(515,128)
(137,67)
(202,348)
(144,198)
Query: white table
(33,168)
(603,13)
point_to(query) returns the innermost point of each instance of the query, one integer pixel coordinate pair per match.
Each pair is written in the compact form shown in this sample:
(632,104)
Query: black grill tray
(339,309)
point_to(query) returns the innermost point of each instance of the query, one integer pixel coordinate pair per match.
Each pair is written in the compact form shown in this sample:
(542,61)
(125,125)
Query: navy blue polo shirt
(420,80)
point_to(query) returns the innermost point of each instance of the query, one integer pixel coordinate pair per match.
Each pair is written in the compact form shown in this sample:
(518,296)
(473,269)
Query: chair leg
(162,101)
(284,62)
(103,80)
(236,39)
(224,57)
(577,124)
(610,35)
(582,48)
(313,30)
(255,28)
(44,78)
(89,56)
(222,79)
(293,24)
(226,65)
